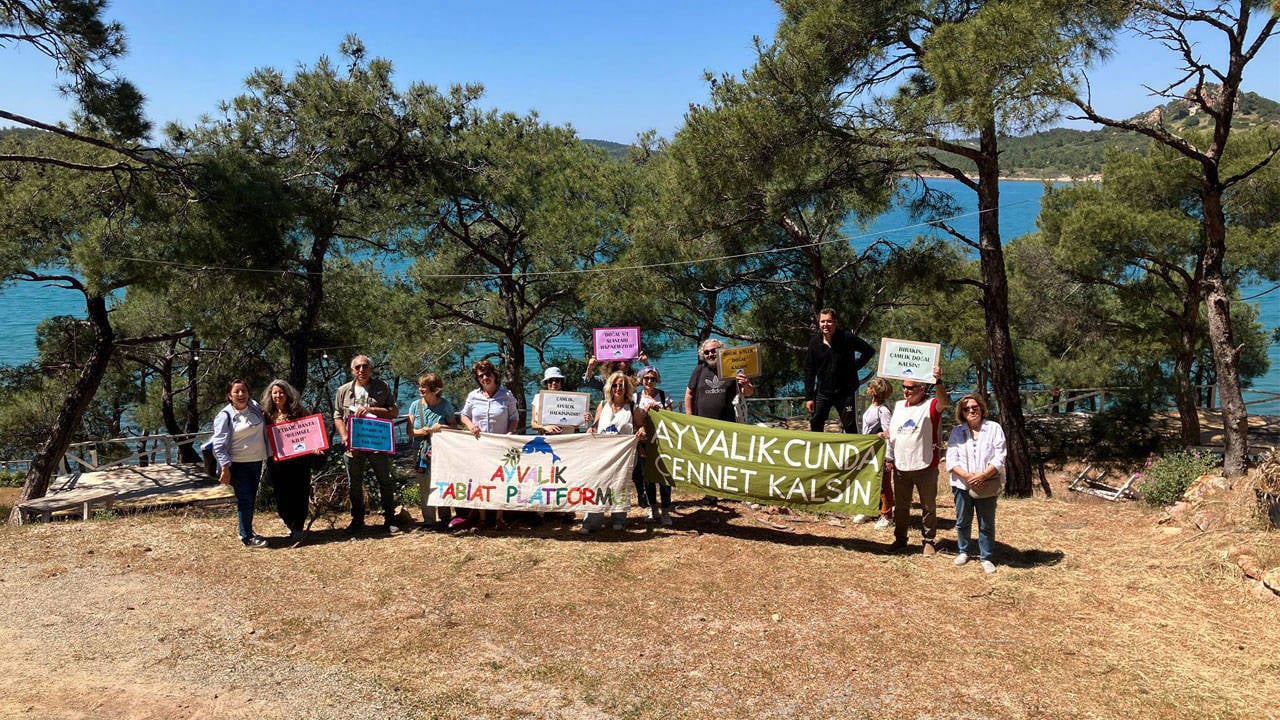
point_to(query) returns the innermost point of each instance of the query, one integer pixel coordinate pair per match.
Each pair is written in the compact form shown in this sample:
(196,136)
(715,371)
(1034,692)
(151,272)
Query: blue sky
(611,69)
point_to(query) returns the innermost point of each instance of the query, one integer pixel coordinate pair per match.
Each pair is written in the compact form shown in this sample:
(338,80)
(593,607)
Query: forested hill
(617,151)
(1079,153)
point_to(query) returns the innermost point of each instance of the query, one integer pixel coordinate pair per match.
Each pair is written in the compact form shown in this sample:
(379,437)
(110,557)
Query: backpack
(210,460)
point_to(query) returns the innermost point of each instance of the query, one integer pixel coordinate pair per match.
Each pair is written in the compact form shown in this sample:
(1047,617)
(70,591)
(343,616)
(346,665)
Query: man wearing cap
(366,396)
(831,373)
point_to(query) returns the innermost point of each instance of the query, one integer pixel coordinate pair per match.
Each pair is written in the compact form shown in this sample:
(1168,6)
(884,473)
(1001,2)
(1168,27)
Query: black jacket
(833,371)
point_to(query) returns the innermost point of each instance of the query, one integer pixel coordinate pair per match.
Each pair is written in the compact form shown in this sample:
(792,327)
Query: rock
(1205,487)
(1262,592)
(1206,521)
(1249,566)
(1272,580)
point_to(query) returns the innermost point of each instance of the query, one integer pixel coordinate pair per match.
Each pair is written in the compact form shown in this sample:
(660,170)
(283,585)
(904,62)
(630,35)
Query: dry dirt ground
(1098,610)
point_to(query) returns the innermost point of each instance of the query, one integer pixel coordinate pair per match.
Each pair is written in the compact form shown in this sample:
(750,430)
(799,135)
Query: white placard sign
(568,409)
(908,360)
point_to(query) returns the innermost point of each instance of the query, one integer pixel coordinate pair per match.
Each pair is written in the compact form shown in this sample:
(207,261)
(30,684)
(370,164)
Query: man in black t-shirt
(831,373)
(710,396)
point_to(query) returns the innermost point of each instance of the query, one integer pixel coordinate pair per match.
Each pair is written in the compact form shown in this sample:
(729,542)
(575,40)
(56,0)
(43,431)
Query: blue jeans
(244,480)
(985,509)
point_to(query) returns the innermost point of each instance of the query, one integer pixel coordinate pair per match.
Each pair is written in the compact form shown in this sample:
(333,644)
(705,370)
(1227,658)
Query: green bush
(1124,429)
(1168,477)
(12,478)
(411,495)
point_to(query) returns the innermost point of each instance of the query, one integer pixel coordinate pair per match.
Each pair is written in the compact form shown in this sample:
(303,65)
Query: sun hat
(552,373)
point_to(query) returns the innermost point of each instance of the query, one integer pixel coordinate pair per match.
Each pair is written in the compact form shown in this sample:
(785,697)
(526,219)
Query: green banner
(820,472)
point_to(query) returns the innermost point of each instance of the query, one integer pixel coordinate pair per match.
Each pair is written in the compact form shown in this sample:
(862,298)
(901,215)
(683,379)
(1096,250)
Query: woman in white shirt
(617,415)
(489,408)
(975,465)
(240,445)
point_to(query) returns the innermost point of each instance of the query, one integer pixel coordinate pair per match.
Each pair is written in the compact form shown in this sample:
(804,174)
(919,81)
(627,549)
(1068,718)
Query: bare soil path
(1097,610)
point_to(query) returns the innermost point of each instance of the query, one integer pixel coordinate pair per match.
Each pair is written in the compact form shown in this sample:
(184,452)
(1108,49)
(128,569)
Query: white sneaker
(653,515)
(858,519)
(883,524)
(988,567)
(962,558)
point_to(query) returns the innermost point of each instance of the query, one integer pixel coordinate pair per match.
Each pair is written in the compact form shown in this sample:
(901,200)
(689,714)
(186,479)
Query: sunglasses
(709,353)
(649,378)
(911,388)
(483,375)
(973,408)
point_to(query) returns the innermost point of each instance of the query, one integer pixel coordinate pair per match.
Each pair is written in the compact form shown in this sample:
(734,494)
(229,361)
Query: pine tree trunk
(1226,355)
(995,300)
(1185,397)
(77,401)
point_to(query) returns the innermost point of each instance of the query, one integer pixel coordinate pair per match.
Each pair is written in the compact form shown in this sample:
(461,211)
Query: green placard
(820,472)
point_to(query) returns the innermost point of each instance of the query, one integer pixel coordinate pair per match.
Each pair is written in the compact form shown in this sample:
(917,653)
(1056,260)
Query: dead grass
(1098,610)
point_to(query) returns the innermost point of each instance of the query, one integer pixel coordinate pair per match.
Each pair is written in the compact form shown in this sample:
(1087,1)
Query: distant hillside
(617,151)
(1079,153)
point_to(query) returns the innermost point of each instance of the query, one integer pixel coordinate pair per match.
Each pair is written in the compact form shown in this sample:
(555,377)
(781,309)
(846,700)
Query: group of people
(975,456)
(974,459)
(241,448)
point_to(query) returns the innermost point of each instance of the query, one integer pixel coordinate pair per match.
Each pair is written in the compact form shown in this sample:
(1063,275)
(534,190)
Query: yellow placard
(745,358)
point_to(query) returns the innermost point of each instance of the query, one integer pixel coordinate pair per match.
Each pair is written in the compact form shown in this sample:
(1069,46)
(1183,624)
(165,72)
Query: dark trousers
(845,407)
(357,463)
(292,482)
(245,477)
(647,492)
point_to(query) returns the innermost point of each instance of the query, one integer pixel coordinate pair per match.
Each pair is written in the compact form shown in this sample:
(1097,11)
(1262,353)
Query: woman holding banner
(428,415)
(240,445)
(975,464)
(650,397)
(617,415)
(489,408)
(291,479)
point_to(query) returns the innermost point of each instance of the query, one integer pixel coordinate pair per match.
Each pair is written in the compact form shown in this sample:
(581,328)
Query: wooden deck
(154,486)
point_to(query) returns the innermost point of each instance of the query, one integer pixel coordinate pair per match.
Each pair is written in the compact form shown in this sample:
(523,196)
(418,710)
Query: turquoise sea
(24,305)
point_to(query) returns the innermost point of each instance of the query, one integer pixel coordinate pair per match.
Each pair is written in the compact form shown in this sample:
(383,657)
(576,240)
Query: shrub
(1123,429)
(1168,477)
(12,478)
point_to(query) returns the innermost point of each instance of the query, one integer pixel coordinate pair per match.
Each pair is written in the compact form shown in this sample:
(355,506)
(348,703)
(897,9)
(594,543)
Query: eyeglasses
(618,386)
(911,388)
(973,408)
(709,353)
(483,375)
(648,378)
(362,366)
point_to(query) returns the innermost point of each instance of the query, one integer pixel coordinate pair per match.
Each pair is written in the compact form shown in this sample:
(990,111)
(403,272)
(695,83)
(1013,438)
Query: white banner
(527,472)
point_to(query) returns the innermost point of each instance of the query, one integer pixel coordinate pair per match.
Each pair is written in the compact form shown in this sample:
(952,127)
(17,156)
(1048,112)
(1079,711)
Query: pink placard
(620,343)
(298,437)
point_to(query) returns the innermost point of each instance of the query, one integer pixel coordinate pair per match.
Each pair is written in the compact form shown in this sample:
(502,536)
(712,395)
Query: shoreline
(1054,179)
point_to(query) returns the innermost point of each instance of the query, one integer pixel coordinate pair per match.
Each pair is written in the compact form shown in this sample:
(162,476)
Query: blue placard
(371,434)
